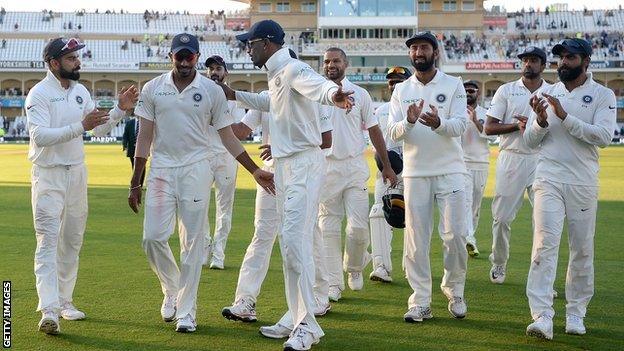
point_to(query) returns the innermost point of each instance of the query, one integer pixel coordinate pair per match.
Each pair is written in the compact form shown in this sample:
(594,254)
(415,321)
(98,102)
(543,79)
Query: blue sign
(15,102)
(620,102)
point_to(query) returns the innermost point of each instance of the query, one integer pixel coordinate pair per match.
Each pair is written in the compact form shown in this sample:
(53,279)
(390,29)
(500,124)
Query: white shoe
(457,307)
(207,255)
(321,308)
(473,251)
(555,294)
(71,313)
(380,274)
(242,310)
(418,314)
(168,308)
(497,274)
(276,331)
(334,293)
(216,264)
(186,324)
(355,281)
(49,323)
(574,325)
(300,340)
(542,328)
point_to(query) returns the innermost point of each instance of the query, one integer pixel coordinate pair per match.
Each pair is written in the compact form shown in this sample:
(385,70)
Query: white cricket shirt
(236,115)
(55,117)
(428,152)
(512,99)
(475,143)
(569,150)
(182,119)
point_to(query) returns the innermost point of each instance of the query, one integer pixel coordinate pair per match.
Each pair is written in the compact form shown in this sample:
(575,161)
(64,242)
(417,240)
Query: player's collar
(277,60)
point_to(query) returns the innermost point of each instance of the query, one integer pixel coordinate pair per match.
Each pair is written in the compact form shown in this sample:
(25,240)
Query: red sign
(495,21)
(238,23)
(488,66)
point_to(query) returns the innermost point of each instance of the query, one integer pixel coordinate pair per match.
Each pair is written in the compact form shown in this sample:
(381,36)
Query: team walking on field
(431,143)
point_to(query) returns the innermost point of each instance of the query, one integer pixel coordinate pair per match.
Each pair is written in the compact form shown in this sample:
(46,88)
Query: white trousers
(380,230)
(224,168)
(345,191)
(475,185)
(421,194)
(59,205)
(256,261)
(184,190)
(298,179)
(554,203)
(514,174)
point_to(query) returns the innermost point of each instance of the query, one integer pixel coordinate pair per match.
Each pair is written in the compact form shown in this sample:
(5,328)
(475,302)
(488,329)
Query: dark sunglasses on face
(185,56)
(249,43)
(471,90)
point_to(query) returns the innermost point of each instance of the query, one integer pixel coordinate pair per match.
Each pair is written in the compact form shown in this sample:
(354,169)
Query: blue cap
(573,46)
(61,46)
(265,29)
(533,51)
(185,41)
(423,36)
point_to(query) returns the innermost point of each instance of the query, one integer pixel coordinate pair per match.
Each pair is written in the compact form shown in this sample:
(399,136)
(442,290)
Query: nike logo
(584,209)
(611,107)
(289,198)
(455,191)
(196,200)
(29,107)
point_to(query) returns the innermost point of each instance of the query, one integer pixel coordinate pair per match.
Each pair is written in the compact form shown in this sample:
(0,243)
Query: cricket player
(294,92)
(428,114)
(515,168)
(380,230)
(570,121)
(345,190)
(225,168)
(477,158)
(59,110)
(176,109)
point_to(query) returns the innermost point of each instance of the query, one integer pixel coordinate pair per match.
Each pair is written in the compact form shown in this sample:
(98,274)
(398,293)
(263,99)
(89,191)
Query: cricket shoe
(473,251)
(334,293)
(168,308)
(71,313)
(497,274)
(418,314)
(542,328)
(300,340)
(574,325)
(49,323)
(355,281)
(186,324)
(242,310)
(275,331)
(457,307)
(380,274)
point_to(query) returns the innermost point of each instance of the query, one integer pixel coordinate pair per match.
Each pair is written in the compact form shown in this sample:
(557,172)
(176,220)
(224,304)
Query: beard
(334,74)
(216,78)
(423,66)
(569,74)
(471,100)
(530,74)
(71,75)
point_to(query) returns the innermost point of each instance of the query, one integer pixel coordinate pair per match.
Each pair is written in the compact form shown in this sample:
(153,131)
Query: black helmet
(394,209)
(396,161)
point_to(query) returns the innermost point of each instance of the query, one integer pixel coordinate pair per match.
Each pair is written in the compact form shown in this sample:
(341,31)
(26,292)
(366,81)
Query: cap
(533,51)
(216,59)
(423,36)
(61,46)
(474,83)
(185,41)
(573,46)
(265,29)
(398,71)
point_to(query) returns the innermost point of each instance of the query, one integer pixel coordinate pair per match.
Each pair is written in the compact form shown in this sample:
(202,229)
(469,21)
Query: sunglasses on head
(70,44)
(185,56)
(396,70)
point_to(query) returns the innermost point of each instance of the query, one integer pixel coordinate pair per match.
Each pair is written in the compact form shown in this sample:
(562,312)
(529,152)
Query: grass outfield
(121,295)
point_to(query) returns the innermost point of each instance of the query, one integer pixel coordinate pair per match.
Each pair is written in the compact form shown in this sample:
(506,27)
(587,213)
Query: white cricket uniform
(345,190)
(295,89)
(380,230)
(477,158)
(515,167)
(59,183)
(566,188)
(433,172)
(179,178)
(225,168)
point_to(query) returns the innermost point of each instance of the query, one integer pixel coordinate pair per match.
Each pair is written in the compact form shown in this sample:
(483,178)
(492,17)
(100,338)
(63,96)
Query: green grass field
(121,295)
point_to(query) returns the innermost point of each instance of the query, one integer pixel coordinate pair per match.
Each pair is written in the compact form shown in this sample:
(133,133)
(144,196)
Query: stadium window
(265,7)
(283,7)
(468,5)
(308,7)
(449,5)
(424,6)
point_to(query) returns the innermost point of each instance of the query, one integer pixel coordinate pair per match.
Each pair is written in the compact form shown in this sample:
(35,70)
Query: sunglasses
(471,90)
(70,44)
(185,56)
(396,70)
(251,42)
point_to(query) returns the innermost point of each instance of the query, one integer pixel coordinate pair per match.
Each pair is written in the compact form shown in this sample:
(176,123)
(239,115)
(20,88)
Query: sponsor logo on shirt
(278,81)
(410,101)
(57,99)
(517,94)
(79,100)
(441,98)
(164,93)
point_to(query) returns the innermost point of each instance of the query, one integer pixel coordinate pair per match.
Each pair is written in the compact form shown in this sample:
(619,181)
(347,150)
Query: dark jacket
(128,139)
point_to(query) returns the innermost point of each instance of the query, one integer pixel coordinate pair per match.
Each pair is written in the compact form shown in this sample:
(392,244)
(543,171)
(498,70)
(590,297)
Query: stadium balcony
(351,47)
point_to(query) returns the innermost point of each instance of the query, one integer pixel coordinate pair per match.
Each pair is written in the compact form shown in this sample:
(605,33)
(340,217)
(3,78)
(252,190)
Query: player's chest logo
(441,98)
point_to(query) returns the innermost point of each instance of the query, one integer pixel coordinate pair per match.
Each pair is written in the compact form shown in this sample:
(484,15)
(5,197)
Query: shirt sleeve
(145,106)
(254,101)
(325,114)
(455,124)
(252,119)
(219,116)
(310,84)
(38,117)
(534,133)
(368,116)
(498,106)
(236,112)
(600,132)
